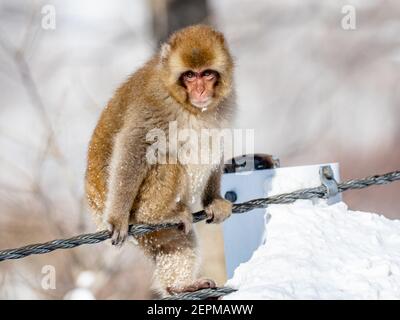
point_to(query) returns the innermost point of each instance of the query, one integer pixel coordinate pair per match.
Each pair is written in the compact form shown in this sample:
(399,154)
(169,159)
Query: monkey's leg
(177,263)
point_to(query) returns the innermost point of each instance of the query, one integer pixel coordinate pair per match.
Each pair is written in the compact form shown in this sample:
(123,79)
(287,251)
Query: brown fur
(123,188)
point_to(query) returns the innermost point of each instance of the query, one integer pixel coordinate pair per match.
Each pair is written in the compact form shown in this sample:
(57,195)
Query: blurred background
(313,90)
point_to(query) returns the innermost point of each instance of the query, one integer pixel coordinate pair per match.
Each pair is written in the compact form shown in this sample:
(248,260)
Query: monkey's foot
(218,210)
(197,285)
(118,228)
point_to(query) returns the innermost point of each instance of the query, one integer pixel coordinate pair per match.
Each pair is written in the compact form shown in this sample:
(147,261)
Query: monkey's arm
(217,208)
(128,168)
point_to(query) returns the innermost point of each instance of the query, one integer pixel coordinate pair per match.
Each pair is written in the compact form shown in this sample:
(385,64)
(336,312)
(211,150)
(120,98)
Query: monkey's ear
(165,50)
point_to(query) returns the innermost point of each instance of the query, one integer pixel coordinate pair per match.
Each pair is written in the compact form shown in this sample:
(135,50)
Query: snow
(317,251)
(84,282)
(79,294)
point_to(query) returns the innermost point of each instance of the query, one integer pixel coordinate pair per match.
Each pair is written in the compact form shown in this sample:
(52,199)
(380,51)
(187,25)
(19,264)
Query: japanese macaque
(188,82)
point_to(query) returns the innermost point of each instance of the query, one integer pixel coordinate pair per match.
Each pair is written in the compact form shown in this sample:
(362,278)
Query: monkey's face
(197,68)
(199,85)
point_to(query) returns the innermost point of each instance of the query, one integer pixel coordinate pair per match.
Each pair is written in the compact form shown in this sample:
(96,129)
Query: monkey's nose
(200,89)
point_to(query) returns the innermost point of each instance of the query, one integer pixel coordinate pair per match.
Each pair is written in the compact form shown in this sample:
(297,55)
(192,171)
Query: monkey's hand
(118,226)
(218,210)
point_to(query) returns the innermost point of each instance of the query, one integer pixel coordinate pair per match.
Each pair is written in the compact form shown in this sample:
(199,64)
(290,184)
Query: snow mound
(322,252)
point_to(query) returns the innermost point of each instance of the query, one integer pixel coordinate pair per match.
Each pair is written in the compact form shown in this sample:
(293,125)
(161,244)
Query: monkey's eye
(189,76)
(210,74)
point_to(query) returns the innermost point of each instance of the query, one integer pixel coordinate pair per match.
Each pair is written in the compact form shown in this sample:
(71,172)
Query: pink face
(200,86)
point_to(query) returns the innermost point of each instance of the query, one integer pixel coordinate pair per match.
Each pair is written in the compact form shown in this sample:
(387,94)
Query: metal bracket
(328,180)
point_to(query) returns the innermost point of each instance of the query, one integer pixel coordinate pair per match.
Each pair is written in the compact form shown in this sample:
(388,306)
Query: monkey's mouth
(201,104)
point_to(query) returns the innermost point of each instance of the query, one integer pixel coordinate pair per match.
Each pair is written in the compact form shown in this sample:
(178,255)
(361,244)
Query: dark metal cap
(251,162)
